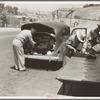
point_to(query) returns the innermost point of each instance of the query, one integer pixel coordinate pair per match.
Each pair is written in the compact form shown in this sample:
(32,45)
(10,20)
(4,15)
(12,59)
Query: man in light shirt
(18,42)
(68,48)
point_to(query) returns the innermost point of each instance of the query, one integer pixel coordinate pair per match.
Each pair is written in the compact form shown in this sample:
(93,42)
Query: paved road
(32,83)
(6,37)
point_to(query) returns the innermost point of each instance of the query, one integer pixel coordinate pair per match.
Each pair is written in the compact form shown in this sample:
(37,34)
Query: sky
(46,6)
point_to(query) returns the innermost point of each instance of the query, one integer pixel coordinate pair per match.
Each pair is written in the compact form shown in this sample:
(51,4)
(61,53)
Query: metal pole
(71,16)
(70,19)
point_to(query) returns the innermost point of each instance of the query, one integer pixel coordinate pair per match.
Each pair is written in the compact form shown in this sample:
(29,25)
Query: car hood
(39,27)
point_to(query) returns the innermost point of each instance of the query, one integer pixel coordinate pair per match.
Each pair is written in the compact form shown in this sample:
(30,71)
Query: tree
(53,15)
(4,18)
(8,9)
(15,10)
(89,5)
(1,7)
(77,17)
(24,18)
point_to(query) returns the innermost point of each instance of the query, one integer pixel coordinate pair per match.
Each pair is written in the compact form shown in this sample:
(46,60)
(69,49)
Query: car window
(74,31)
(66,31)
(63,32)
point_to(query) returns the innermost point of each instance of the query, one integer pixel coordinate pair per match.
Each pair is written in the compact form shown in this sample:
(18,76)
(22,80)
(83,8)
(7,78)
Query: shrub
(77,17)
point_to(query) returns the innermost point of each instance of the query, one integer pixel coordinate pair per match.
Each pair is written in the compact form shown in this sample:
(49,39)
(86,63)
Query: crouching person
(18,42)
(72,43)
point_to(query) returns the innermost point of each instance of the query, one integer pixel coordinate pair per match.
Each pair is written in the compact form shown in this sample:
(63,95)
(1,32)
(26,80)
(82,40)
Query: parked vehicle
(49,39)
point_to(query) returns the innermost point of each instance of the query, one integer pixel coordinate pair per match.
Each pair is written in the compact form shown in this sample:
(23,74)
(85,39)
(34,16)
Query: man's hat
(81,35)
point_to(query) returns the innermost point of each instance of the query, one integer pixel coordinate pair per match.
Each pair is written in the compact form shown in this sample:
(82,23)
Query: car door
(74,32)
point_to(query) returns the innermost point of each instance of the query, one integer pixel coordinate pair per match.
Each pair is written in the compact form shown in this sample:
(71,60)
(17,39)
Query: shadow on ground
(44,65)
(13,67)
(81,89)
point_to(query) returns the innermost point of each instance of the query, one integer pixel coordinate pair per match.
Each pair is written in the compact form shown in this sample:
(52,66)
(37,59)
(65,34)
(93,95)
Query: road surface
(30,83)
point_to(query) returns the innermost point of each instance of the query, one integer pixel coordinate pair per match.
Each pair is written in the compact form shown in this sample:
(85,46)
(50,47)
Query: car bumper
(42,57)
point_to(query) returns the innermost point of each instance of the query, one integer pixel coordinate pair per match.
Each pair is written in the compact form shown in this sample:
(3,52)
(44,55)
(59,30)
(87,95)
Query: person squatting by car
(67,49)
(90,41)
(18,42)
(73,42)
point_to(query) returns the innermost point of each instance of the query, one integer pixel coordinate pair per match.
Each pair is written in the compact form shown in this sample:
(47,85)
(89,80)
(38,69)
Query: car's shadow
(81,89)
(43,65)
(89,88)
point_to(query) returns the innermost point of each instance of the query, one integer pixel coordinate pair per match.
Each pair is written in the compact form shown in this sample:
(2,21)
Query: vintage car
(49,39)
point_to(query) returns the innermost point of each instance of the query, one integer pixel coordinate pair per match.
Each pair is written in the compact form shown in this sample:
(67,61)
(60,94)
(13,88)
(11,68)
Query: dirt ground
(33,83)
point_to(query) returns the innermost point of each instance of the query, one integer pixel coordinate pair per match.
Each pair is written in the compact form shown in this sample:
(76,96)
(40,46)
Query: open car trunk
(43,49)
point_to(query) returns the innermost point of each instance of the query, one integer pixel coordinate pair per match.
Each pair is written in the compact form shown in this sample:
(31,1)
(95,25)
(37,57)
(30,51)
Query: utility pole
(71,16)
(70,19)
